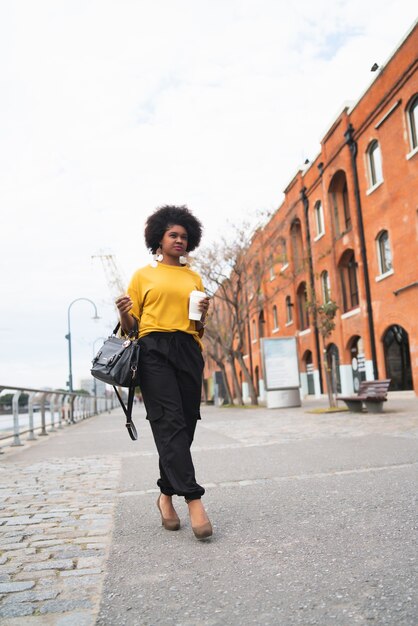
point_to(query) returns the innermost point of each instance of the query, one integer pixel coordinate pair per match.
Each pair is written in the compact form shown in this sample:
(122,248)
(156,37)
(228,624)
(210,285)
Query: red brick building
(347,230)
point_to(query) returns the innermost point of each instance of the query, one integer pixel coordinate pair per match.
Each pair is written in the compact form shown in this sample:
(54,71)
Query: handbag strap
(128,411)
(132,333)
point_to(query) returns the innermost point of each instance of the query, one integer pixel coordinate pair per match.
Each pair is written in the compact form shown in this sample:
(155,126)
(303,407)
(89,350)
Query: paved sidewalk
(314,518)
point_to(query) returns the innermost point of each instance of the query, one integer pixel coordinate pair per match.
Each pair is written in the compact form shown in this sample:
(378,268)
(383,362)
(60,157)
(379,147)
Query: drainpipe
(352,144)
(305,202)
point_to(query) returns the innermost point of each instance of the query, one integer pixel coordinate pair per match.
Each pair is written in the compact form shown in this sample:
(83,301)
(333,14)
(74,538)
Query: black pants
(171,366)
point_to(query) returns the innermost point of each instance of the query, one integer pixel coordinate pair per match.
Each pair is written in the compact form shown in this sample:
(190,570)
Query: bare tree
(233,272)
(324,318)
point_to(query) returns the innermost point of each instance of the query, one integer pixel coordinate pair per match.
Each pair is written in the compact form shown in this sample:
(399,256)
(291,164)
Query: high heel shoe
(204,531)
(172,523)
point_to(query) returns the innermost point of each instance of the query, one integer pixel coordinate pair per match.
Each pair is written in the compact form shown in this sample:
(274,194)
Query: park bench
(372,393)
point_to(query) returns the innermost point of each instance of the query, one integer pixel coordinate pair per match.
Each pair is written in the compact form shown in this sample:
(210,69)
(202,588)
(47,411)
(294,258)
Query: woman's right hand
(124,304)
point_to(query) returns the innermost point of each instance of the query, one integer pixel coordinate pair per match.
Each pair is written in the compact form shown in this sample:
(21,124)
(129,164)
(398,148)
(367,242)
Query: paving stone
(89,540)
(51,516)
(13,546)
(89,562)
(80,572)
(50,564)
(19,521)
(9,587)
(32,596)
(46,543)
(4,578)
(96,516)
(35,575)
(92,580)
(16,610)
(60,606)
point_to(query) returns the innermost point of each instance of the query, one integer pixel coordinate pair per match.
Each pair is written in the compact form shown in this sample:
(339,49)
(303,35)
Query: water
(6,421)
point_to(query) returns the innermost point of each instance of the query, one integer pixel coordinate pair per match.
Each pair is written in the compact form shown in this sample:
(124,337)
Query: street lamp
(94,380)
(68,337)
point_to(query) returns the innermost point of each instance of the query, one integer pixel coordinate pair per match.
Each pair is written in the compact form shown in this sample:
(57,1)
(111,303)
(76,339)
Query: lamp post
(68,337)
(94,380)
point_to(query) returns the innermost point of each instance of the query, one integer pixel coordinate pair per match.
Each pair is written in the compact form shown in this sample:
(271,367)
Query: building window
(289,310)
(338,193)
(384,254)
(325,287)
(302,299)
(283,252)
(412,112)
(271,263)
(374,157)
(297,245)
(261,322)
(254,330)
(348,276)
(275,318)
(319,219)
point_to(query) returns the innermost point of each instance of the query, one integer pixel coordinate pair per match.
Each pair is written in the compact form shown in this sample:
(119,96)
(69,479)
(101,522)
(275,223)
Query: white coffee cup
(195,297)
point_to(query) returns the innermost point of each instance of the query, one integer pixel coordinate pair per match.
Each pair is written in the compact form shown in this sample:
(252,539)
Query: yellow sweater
(160,297)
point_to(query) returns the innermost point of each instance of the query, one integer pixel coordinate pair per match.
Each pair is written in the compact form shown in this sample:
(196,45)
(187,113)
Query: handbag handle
(132,333)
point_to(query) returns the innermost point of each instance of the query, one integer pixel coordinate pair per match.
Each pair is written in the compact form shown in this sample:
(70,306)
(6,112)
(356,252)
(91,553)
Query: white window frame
(275,318)
(385,269)
(375,167)
(328,287)
(272,273)
(413,125)
(289,309)
(319,220)
(254,331)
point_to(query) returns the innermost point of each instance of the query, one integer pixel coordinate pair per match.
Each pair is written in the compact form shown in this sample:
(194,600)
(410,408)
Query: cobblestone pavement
(77,515)
(56,523)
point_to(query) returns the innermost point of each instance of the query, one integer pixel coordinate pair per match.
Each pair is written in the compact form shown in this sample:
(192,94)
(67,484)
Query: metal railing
(64,408)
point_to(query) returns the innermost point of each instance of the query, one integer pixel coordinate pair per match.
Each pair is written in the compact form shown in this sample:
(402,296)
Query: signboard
(280,363)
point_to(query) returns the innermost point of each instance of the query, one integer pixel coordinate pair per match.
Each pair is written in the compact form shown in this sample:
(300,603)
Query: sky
(112,108)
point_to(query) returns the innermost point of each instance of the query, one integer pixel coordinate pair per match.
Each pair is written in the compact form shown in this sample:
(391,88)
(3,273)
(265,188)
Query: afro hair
(167,216)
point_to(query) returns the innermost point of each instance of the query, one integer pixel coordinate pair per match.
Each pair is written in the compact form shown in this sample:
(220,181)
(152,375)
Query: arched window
(302,299)
(325,287)
(275,318)
(297,245)
(384,254)
(319,219)
(374,157)
(271,264)
(261,322)
(348,275)
(338,194)
(412,113)
(283,252)
(289,310)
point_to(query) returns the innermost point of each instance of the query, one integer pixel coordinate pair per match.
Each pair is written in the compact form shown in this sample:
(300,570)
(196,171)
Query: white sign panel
(280,363)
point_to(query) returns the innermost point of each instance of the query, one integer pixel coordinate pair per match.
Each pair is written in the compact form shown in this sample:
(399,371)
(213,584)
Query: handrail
(68,406)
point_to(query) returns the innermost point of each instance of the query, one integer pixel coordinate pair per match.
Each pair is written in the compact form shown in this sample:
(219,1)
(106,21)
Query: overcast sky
(109,109)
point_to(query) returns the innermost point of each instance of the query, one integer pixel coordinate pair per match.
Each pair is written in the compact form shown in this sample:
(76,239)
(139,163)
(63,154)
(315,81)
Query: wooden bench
(372,393)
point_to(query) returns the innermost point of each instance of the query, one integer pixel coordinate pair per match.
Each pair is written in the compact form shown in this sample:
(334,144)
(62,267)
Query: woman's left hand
(204,306)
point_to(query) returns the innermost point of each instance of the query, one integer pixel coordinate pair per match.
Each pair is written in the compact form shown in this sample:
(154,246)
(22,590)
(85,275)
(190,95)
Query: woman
(171,362)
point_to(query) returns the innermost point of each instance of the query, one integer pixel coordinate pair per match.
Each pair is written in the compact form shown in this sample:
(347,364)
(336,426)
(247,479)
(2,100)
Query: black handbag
(116,363)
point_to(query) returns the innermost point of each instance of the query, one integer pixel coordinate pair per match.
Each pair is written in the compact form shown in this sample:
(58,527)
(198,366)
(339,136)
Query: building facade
(347,231)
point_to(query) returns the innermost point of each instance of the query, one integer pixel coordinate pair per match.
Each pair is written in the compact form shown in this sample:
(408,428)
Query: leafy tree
(324,319)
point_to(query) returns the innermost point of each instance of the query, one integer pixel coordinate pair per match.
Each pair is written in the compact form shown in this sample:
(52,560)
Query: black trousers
(171,367)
